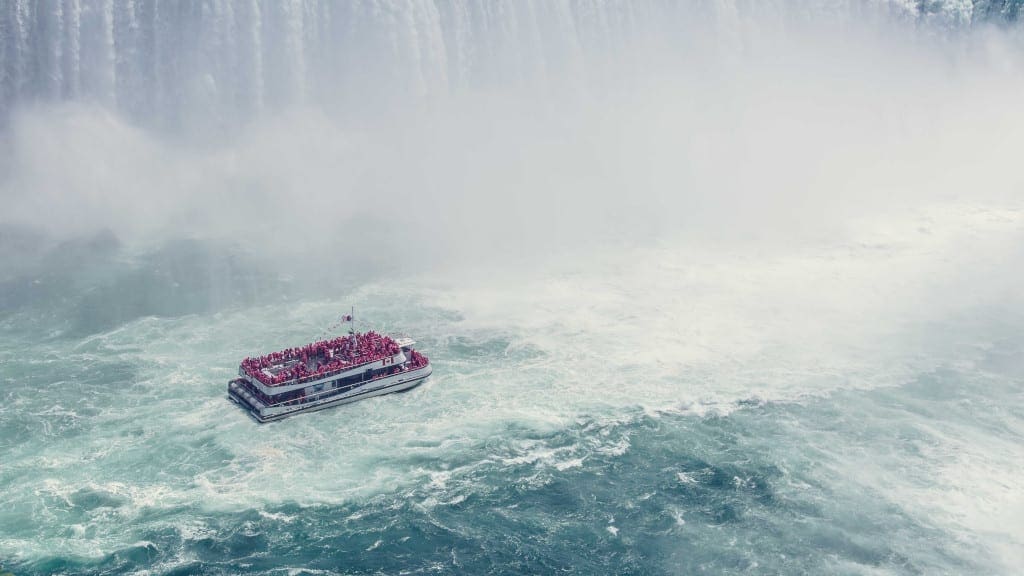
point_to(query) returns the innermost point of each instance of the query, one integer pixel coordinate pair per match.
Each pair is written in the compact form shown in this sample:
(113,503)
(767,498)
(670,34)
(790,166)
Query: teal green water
(549,440)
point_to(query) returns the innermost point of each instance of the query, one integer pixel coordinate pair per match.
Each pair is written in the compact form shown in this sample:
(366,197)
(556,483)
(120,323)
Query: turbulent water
(654,413)
(708,287)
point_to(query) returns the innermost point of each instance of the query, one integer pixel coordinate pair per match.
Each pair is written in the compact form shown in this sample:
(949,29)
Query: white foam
(686,477)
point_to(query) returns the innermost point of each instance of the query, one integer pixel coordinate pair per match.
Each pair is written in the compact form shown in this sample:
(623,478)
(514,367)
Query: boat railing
(315,376)
(368,343)
(315,397)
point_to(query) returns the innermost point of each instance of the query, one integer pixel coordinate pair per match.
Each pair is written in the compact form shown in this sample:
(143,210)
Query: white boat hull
(386,385)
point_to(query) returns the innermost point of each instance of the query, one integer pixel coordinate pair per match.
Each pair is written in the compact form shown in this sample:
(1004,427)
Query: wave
(900,480)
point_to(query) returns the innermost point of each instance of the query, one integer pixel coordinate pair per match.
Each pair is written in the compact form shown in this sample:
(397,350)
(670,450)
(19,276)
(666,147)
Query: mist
(769,130)
(696,130)
(819,160)
(777,147)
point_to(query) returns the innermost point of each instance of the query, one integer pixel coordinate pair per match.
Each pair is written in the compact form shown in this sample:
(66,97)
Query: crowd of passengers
(328,355)
(416,360)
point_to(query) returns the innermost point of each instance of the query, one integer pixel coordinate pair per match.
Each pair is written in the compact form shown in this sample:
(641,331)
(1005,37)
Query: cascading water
(169,62)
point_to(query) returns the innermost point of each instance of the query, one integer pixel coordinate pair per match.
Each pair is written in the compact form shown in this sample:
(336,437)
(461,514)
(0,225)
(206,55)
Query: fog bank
(708,124)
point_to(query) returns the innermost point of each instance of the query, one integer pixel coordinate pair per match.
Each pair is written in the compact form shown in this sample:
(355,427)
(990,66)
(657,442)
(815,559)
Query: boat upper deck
(318,359)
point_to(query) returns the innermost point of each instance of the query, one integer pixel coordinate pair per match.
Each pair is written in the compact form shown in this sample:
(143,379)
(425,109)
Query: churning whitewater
(706,287)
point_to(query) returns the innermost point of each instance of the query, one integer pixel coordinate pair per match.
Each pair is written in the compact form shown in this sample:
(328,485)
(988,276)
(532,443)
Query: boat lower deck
(399,382)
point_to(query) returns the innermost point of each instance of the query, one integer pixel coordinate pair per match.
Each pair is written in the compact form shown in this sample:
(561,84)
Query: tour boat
(327,373)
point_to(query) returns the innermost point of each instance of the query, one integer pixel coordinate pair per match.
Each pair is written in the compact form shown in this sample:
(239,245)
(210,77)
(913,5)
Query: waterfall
(167,62)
